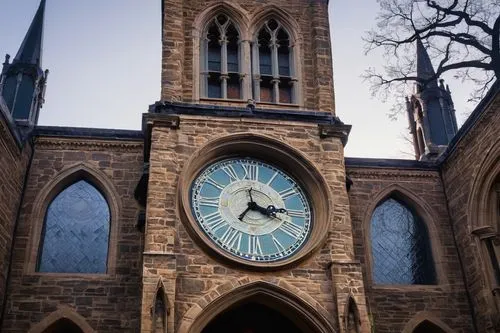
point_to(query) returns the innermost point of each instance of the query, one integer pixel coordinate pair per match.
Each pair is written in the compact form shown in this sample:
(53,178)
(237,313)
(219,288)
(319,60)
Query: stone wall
(195,278)
(108,302)
(461,171)
(13,164)
(180,53)
(392,307)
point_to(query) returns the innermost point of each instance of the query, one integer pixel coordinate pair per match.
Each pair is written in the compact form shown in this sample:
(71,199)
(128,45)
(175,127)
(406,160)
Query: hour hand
(272,210)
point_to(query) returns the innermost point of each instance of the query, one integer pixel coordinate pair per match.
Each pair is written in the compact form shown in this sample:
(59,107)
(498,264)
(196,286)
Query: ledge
(358,162)
(88,133)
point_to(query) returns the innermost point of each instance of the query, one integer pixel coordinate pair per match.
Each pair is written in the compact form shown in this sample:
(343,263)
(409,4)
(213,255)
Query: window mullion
(275,67)
(224,74)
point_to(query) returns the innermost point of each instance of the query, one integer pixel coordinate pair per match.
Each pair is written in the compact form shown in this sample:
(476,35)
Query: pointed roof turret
(425,70)
(30,51)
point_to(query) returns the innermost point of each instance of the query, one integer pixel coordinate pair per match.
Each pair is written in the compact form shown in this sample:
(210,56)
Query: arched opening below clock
(63,326)
(255,318)
(428,327)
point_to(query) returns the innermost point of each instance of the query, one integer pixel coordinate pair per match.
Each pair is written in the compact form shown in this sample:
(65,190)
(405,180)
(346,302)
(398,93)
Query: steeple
(431,112)
(22,82)
(425,70)
(30,51)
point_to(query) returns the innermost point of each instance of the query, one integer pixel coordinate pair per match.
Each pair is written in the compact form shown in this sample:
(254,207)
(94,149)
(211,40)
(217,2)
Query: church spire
(22,82)
(431,113)
(30,51)
(425,70)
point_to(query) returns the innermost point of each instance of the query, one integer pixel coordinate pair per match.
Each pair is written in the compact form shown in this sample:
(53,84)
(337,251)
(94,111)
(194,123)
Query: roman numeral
(272,178)
(291,229)
(214,221)
(278,245)
(231,173)
(232,238)
(214,183)
(295,213)
(254,245)
(288,193)
(209,202)
(251,171)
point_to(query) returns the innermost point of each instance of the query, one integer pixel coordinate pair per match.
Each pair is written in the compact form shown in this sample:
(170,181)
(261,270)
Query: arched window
(401,250)
(220,60)
(274,81)
(76,231)
(491,234)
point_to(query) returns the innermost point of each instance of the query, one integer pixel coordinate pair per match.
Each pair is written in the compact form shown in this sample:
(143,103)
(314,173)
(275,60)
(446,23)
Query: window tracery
(76,231)
(221,60)
(400,244)
(273,83)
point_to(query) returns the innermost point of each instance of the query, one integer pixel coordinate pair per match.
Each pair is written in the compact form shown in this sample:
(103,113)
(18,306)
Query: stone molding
(267,291)
(270,150)
(390,173)
(428,216)
(57,143)
(62,313)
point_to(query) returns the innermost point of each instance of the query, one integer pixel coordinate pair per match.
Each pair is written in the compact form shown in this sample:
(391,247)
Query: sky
(104,59)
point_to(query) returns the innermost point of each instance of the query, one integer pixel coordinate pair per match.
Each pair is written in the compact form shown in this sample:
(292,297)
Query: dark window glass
(283,53)
(232,49)
(76,232)
(400,246)
(214,88)
(214,49)
(233,86)
(265,53)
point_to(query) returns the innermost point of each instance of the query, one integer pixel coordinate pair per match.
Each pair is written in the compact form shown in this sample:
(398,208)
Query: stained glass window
(76,231)
(400,246)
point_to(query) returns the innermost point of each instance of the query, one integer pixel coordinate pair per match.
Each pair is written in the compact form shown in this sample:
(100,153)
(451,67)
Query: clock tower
(247,223)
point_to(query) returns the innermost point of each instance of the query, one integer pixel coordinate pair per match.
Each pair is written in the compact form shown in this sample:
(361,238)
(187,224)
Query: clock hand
(242,215)
(272,210)
(250,194)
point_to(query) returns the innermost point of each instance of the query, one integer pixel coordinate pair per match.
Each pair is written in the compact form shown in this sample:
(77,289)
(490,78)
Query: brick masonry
(315,57)
(13,165)
(391,307)
(109,302)
(460,171)
(172,254)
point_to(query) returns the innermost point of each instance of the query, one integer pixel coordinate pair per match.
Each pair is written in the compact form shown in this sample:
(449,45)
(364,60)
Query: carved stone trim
(84,144)
(392,174)
(340,131)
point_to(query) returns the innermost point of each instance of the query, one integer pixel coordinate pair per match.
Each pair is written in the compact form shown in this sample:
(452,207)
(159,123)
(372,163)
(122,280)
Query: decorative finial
(7,59)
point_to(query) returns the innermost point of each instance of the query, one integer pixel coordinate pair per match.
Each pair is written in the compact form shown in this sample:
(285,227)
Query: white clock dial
(251,209)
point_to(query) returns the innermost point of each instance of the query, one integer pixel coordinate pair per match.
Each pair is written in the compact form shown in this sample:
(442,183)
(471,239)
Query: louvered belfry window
(76,231)
(401,250)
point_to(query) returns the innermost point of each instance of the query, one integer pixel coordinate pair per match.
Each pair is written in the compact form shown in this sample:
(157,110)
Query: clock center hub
(235,199)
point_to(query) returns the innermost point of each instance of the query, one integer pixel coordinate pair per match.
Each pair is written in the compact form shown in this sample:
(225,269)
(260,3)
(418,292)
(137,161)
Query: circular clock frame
(273,152)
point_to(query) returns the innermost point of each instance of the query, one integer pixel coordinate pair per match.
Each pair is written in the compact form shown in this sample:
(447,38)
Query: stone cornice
(391,174)
(86,144)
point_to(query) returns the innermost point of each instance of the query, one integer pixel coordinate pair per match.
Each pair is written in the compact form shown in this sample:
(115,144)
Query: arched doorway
(63,326)
(428,327)
(252,318)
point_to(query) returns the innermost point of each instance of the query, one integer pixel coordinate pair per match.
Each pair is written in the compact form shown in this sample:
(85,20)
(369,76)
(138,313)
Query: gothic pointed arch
(221,66)
(484,222)
(276,57)
(64,319)
(293,303)
(425,322)
(99,184)
(424,234)
(352,319)
(160,308)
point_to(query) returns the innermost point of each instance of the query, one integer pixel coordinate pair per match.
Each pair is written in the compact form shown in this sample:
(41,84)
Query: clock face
(251,209)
